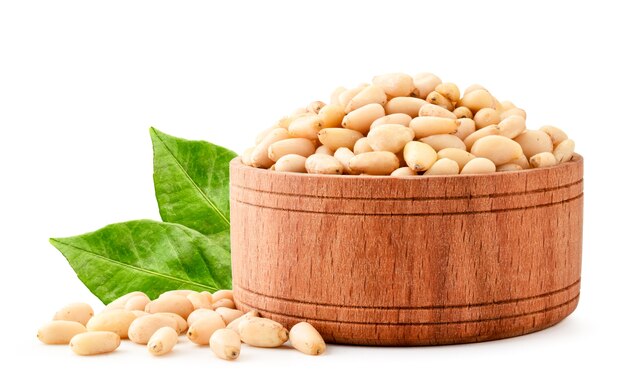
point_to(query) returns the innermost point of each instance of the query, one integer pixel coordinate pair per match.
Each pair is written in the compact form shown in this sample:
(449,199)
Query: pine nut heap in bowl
(400,125)
(407,212)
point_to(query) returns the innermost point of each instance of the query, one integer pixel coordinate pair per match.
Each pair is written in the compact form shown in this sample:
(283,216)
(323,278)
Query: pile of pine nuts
(405,126)
(207,319)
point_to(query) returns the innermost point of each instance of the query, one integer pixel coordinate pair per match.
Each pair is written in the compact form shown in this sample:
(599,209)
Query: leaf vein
(139,269)
(195,186)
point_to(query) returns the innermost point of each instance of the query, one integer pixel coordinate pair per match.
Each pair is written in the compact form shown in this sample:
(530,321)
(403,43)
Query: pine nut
(419,156)
(441,141)
(390,137)
(374,163)
(479,165)
(443,167)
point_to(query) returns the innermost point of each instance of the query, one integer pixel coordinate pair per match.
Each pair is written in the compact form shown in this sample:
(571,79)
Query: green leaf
(191,183)
(147,256)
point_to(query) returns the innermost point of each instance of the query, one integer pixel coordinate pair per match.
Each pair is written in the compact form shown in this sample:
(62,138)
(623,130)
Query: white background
(81,82)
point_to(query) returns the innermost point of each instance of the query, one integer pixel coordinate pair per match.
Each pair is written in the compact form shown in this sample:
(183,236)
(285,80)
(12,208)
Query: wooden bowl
(409,261)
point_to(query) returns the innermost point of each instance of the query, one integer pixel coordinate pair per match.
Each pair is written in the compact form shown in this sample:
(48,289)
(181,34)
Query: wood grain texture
(409,261)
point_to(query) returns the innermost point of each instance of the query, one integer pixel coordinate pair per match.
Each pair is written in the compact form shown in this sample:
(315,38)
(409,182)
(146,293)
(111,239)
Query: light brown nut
(259,157)
(461,156)
(362,146)
(512,126)
(181,324)
(234,325)
(474,87)
(117,321)
(228,314)
(225,302)
(432,125)
(443,167)
(390,137)
(498,106)
(370,94)
(59,331)
(144,327)
(374,163)
(362,118)
(323,164)
(476,100)
(299,146)
(226,344)
(291,163)
(564,151)
(259,139)
(419,156)
(534,142)
(486,117)
(137,303)
(324,150)
(138,313)
(201,330)
(200,300)
(331,115)
(162,341)
(346,96)
(522,161)
(223,294)
(442,141)
(246,156)
(177,304)
(78,312)
(424,84)
(306,126)
(479,165)
(199,313)
(542,160)
(403,172)
(305,338)
(556,134)
(177,292)
(435,110)
(507,105)
(513,111)
(344,155)
(334,96)
(449,90)
(397,118)
(283,122)
(261,332)
(485,131)
(119,303)
(509,167)
(498,149)
(208,294)
(463,112)
(466,128)
(334,138)
(395,84)
(405,105)
(439,100)
(94,343)
(315,106)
